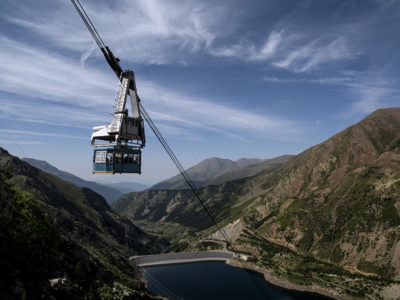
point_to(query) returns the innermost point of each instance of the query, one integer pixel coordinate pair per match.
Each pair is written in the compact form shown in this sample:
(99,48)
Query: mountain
(219,170)
(63,241)
(108,192)
(125,187)
(339,201)
(251,170)
(329,217)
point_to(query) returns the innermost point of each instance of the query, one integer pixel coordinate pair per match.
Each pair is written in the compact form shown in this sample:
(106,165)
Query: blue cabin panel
(116,160)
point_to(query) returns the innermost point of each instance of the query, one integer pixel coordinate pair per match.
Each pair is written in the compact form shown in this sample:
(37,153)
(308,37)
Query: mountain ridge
(215,170)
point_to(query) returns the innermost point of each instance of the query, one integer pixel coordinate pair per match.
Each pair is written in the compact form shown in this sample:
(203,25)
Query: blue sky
(229,79)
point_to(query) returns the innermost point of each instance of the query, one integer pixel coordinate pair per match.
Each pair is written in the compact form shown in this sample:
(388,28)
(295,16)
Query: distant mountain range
(328,217)
(219,170)
(126,186)
(110,192)
(52,229)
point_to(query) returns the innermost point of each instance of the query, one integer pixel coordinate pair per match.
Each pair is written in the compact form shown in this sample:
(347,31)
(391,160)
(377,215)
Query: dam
(181,257)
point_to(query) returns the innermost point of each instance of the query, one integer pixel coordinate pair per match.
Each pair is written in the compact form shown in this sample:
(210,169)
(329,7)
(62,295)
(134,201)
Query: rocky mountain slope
(109,193)
(218,170)
(329,216)
(178,206)
(51,228)
(339,201)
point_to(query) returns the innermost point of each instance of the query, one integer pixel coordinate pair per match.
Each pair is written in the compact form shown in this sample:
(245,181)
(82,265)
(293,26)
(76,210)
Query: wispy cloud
(292,51)
(51,76)
(191,111)
(316,53)
(79,96)
(29,133)
(247,50)
(269,48)
(88,53)
(54,114)
(21,142)
(371,90)
(155,29)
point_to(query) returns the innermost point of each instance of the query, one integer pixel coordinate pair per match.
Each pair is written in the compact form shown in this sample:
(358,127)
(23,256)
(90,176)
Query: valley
(329,217)
(326,221)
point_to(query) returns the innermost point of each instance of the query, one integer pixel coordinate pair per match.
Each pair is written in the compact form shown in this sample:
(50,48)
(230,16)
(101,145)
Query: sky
(227,78)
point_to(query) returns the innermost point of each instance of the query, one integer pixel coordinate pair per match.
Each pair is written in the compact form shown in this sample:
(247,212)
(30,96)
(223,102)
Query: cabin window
(100,157)
(110,156)
(118,157)
(130,158)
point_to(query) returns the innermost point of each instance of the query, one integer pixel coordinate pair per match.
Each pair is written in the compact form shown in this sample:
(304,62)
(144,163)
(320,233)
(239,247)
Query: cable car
(117,160)
(118,144)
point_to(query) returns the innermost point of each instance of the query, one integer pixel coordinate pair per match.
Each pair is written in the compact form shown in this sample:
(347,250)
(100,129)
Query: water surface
(215,280)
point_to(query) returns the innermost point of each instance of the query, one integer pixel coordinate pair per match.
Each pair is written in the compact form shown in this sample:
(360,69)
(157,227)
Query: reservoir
(215,280)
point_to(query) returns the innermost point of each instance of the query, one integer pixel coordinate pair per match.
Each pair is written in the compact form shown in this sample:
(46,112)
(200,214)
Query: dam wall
(181,257)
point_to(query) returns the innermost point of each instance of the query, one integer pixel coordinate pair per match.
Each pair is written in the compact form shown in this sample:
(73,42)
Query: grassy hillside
(50,229)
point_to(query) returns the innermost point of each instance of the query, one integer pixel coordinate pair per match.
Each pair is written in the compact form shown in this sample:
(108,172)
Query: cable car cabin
(117,160)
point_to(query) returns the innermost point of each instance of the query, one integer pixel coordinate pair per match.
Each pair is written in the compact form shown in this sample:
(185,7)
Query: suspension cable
(183,172)
(155,130)
(85,18)
(195,191)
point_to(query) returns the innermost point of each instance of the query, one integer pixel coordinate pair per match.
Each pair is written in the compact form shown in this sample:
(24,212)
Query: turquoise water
(215,280)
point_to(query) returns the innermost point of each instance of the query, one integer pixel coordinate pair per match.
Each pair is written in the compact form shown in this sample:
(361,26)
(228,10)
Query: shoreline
(284,283)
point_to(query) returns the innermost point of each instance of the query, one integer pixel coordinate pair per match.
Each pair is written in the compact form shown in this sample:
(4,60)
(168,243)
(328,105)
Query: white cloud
(21,142)
(247,50)
(291,51)
(54,114)
(28,71)
(371,95)
(156,30)
(29,133)
(370,89)
(269,48)
(79,96)
(165,32)
(190,111)
(316,53)
(88,53)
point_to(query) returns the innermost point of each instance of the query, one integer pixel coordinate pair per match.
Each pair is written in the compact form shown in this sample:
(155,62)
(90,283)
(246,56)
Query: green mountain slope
(53,229)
